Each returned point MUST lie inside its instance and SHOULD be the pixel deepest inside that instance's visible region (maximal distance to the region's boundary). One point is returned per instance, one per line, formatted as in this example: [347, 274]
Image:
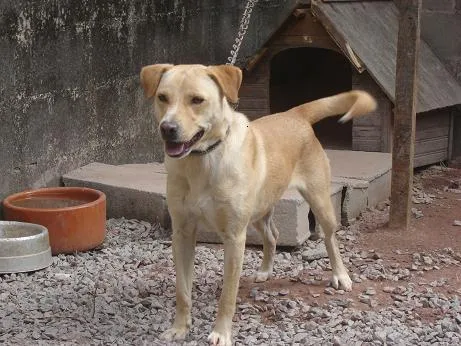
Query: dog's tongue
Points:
[174, 149]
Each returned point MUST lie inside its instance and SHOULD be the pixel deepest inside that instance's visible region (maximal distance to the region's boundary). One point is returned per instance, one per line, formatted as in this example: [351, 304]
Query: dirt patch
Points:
[428, 252]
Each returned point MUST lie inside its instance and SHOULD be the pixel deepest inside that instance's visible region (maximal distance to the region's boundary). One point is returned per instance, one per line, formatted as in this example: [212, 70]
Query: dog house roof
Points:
[367, 34]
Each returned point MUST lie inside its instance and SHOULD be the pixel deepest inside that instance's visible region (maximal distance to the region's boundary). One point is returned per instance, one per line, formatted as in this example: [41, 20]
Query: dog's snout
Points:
[169, 130]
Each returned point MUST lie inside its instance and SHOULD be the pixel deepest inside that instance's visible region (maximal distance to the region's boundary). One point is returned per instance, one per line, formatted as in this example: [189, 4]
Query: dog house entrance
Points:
[300, 75]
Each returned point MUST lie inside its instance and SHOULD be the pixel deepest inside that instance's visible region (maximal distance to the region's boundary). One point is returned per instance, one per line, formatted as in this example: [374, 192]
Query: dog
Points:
[225, 173]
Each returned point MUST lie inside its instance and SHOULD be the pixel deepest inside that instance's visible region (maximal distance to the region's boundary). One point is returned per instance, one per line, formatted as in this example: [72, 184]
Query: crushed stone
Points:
[123, 293]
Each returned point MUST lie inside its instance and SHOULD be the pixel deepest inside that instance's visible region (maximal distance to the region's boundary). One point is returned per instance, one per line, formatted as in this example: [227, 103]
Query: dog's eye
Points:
[162, 98]
[196, 100]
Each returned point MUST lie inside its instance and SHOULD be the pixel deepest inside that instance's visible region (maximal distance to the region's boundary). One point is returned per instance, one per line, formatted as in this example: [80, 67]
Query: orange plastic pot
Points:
[75, 217]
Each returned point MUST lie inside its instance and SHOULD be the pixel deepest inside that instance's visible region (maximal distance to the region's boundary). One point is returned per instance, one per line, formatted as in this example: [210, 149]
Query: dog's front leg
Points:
[183, 254]
[234, 248]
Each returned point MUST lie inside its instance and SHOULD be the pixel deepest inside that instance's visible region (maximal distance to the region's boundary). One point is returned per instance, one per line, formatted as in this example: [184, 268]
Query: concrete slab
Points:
[132, 191]
[360, 180]
[139, 191]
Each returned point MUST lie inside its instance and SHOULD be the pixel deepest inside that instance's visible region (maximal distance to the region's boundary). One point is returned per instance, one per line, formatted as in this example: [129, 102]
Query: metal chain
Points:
[244, 22]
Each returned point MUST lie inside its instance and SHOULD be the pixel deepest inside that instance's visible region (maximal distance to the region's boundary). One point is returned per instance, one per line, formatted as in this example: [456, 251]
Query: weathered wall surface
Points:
[69, 91]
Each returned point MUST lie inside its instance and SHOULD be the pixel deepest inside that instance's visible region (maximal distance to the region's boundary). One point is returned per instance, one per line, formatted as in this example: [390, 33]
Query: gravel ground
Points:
[123, 294]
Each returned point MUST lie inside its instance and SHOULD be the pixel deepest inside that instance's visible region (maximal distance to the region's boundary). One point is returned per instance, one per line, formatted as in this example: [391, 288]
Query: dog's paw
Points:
[220, 339]
[175, 333]
[262, 276]
[342, 281]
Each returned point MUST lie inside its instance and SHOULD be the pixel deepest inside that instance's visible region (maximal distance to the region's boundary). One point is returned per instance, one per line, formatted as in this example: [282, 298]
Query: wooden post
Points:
[405, 113]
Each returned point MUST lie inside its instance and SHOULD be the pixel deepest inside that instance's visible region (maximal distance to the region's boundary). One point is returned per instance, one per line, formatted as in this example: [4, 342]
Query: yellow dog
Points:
[225, 173]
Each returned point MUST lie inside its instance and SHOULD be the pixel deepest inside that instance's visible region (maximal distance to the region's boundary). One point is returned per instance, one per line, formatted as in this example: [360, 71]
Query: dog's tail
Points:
[353, 103]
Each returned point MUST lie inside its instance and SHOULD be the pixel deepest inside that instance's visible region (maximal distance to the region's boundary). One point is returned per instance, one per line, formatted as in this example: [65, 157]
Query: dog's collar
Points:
[210, 148]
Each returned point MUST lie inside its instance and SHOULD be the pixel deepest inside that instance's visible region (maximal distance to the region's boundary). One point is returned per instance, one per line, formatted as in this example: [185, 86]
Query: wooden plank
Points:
[429, 159]
[254, 114]
[431, 145]
[366, 138]
[432, 133]
[450, 135]
[456, 147]
[371, 120]
[305, 41]
[371, 132]
[438, 119]
[386, 136]
[256, 78]
[432, 137]
[366, 145]
[253, 103]
[405, 113]
[253, 90]
[433, 125]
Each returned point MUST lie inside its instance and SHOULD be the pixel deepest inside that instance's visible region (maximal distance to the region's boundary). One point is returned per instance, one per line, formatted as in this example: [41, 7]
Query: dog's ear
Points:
[228, 78]
[150, 77]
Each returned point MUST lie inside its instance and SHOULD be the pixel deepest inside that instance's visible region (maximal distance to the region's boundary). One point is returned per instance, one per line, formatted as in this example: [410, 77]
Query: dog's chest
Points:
[203, 206]
[199, 198]
[211, 194]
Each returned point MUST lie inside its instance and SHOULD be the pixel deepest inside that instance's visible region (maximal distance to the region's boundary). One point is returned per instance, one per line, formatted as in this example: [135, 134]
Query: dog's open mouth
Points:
[178, 149]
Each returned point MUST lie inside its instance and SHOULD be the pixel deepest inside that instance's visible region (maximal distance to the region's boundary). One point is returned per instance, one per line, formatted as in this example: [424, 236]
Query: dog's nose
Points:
[169, 130]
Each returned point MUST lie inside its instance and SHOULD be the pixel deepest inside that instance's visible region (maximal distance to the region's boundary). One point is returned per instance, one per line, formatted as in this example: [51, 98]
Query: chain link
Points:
[244, 22]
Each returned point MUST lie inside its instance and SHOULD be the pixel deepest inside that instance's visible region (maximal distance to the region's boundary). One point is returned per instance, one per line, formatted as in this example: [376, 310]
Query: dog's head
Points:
[189, 103]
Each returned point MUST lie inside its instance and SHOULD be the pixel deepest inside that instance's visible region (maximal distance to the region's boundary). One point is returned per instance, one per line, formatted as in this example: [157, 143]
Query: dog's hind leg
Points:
[315, 229]
[317, 194]
[266, 227]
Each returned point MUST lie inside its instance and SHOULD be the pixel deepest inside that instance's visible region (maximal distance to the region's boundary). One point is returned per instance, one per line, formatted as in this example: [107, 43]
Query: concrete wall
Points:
[69, 90]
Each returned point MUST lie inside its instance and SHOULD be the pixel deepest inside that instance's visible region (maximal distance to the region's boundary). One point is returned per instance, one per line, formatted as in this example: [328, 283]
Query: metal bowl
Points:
[24, 247]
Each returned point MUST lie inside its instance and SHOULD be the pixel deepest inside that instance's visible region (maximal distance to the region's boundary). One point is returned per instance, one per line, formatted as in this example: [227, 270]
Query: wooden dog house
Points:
[329, 48]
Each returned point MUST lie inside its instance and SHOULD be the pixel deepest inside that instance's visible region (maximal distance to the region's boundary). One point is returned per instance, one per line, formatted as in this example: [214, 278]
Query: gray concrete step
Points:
[366, 177]
[139, 191]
